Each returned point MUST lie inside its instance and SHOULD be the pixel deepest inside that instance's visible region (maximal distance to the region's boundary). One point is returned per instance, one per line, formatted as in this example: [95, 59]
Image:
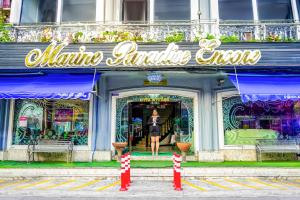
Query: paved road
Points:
[89, 188]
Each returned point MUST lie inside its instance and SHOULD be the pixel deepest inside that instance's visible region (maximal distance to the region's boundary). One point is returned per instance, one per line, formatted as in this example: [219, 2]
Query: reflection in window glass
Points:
[246, 122]
[172, 10]
[78, 10]
[274, 9]
[235, 9]
[51, 119]
[298, 7]
[34, 11]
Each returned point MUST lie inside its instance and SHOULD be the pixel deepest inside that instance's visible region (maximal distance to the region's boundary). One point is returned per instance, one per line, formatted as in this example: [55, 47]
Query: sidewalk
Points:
[152, 173]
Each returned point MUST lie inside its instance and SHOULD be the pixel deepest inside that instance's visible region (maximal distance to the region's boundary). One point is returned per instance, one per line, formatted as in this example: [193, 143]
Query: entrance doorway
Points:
[138, 115]
[131, 110]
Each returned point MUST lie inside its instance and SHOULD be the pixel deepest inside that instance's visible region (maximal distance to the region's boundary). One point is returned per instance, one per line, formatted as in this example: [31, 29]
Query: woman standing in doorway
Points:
[154, 131]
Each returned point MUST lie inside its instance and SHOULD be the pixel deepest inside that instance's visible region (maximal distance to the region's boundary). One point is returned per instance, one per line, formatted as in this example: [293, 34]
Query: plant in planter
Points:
[46, 35]
[77, 37]
[273, 38]
[98, 38]
[119, 146]
[200, 36]
[5, 34]
[289, 40]
[183, 146]
[124, 36]
[110, 36]
[229, 38]
[175, 37]
[137, 37]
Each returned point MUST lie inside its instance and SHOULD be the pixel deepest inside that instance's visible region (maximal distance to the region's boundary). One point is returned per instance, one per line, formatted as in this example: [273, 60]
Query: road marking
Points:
[265, 183]
[194, 186]
[31, 185]
[108, 186]
[57, 185]
[13, 183]
[287, 183]
[242, 184]
[216, 184]
[86, 184]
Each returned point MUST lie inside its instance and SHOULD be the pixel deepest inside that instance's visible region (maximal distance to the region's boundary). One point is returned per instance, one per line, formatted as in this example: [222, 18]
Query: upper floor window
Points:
[172, 10]
[274, 9]
[134, 10]
[78, 10]
[298, 7]
[235, 10]
[34, 11]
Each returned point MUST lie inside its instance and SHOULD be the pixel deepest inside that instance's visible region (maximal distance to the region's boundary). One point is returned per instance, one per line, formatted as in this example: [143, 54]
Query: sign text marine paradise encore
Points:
[127, 54]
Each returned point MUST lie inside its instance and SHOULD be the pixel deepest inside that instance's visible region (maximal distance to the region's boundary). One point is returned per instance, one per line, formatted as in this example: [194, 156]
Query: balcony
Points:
[168, 32]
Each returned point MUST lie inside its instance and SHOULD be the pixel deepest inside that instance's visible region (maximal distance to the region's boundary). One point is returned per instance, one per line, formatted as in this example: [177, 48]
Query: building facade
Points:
[222, 74]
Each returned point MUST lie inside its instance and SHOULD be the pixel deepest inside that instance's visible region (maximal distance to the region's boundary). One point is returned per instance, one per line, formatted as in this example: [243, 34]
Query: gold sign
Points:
[52, 57]
[127, 54]
[222, 57]
[155, 99]
[163, 82]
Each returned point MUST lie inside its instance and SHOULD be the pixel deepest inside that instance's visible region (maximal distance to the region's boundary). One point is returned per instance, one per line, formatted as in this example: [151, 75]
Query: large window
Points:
[235, 9]
[78, 10]
[172, 10]
[51, 119]
[274, 9]
[245, 122]
[34, 11]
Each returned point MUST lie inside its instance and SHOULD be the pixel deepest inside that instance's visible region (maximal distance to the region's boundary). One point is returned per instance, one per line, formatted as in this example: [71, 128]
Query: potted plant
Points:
[119, 146]
[184, 147]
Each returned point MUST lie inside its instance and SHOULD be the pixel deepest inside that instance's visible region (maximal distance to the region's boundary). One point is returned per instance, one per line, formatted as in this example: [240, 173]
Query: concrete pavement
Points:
[94, 188]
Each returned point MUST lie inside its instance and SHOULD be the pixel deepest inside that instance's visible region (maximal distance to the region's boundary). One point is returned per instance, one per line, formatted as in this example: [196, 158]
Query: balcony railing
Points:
[190, 31]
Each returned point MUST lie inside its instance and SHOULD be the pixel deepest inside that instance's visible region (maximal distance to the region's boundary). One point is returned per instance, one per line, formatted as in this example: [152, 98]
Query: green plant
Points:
[210, 36]
[5, 33]
[273, 38]
[46, 35]
[229, 38]
[175, 37]
[289, 40]
[76, 36]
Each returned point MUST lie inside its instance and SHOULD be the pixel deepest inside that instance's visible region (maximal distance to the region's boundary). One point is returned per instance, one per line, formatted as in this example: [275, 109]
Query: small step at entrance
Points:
[161, 156]
[136, 153]
[148, 156]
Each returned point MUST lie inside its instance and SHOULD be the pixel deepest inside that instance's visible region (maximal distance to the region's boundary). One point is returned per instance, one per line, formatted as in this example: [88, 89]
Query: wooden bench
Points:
[276, 146]
[49, 146]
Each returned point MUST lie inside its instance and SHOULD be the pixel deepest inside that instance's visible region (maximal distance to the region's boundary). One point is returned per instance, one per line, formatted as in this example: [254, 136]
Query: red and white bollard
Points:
[125, 172]
[177, 172]
[129, 174]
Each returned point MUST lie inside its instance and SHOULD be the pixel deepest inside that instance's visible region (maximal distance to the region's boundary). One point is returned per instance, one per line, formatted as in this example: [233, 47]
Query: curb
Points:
[151, 172]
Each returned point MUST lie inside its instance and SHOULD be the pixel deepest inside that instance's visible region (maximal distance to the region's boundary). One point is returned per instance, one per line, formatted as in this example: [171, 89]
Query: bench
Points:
[49, 146]
[276, 146]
